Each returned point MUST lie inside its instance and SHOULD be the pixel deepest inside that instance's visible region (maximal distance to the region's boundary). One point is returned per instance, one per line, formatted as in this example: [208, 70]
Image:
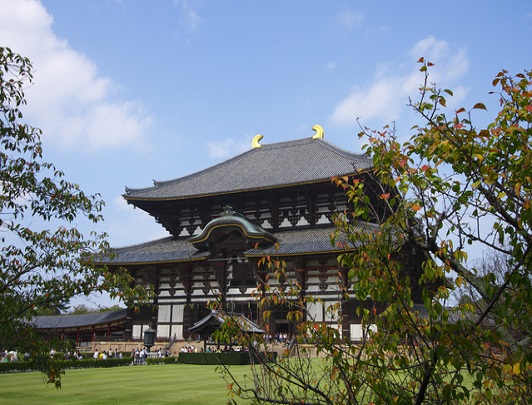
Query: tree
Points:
[449, 187]
[83, 309]
[44, 259]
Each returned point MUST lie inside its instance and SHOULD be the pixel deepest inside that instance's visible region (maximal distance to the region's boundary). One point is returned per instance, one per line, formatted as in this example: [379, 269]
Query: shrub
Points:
[162, 360]
[20, 366]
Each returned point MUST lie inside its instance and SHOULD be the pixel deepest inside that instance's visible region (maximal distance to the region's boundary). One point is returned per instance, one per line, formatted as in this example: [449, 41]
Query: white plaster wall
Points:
[138, 331]
[357, 330]
[329, 316]
[177, 314]
[163, 331]
[315, 311]
[164, 313]
[177, 332]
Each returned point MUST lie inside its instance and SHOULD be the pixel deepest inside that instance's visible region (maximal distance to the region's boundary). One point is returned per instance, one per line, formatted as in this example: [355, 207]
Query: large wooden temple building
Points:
[273, 200]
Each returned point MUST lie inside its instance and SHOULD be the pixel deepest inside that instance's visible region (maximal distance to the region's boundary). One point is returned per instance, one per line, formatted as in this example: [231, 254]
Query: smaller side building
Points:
[83, 330]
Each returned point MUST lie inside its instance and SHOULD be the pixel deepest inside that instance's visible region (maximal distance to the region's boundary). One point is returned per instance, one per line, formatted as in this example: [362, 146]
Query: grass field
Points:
[179, 384]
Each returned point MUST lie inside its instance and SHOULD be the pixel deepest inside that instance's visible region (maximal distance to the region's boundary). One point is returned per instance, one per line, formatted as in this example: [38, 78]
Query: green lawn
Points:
[179, 384]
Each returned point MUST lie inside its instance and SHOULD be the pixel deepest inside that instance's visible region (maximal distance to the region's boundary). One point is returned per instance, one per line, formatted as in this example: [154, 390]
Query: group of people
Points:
[282, 338]
[73, 355]
[188, 349]
[163, 353]
[139, 355]
[12, 356]
[226, 349]
[8, 356]
[105, 355]
[212, 349]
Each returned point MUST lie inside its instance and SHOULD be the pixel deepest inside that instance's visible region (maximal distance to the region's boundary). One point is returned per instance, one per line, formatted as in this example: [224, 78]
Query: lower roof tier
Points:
[298, 242]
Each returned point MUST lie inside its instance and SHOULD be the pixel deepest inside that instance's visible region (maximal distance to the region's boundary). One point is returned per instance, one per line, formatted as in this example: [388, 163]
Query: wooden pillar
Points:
[128, 328]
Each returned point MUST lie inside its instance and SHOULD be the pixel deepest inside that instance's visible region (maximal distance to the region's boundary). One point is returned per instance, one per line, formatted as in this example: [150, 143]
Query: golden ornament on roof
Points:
[256, 139]
[319, 132]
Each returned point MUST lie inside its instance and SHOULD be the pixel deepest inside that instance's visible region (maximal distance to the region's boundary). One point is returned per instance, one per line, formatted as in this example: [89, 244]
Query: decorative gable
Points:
[229, 226]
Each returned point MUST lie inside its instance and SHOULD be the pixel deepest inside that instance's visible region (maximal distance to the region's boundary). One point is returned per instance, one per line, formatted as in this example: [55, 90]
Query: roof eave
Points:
[131, 198]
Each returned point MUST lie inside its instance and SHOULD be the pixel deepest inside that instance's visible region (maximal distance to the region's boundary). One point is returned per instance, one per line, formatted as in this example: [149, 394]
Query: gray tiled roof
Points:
[309, 241]
[298, 242]
[170, 250]
[166, 250]
[75, 321]
[272, 165]
[216, 318]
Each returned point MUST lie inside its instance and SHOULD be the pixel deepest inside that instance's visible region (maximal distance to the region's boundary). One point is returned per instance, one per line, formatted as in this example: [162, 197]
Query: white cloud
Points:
[190, 21]
[112, 124]
[386, 97]
[227, 148]
[124, 225]
[451, 64]
[69, 99]
[378, 29]
[121, 205]
[349, 19]
[331, 66]
[376, 101]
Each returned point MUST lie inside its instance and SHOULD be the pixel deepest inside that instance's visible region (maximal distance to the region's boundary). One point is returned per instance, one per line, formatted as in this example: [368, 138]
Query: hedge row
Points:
[161, 360]
[85, 363]
[229, 358]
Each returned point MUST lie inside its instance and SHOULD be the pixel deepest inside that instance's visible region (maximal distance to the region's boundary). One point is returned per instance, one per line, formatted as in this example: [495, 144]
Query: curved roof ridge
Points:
[143, 244]
[279, 164]
[158, 184]
[242, 155]
[342, 151]
[208, 169]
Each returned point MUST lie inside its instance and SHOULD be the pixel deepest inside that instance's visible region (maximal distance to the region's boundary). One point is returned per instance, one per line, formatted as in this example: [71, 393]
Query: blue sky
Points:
[130, 91]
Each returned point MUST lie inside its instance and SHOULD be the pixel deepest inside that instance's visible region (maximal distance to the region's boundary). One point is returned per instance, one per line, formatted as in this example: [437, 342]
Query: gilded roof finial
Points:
[319, 132]
[256, 139]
